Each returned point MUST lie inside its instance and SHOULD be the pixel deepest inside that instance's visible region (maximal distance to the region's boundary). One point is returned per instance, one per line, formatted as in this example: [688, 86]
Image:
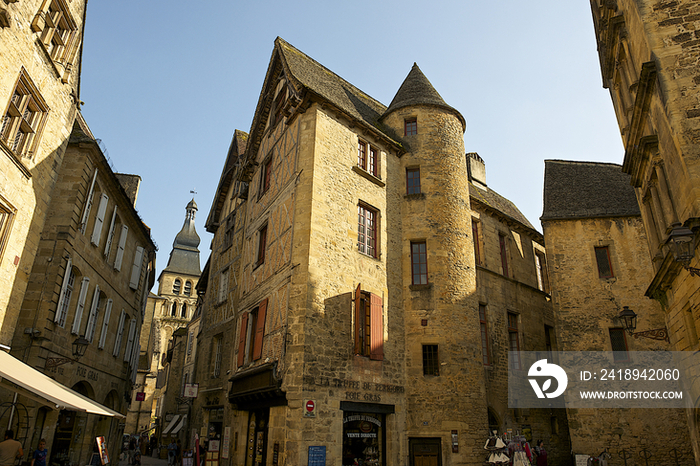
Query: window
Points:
[504, 254]
[476, 238]
[190, 342]
[486, 354]
[419, 263]
[136, 268]
[262, 245]
[369, 325]
[618, 342]
[367, 157]
[7, 214]
[77, 319]
[542, 276]
[92, 316]
[266, 176]
[410, 126]
[66, 293]
[183, 311]
[57, 31]
[602, 257]
[413, 181]
[130, 340]
[173, 310]
[548, 331]
[120, 334]
[110, 233]
[367, 230]
[99, 220]
[120, 248]
[105, 324]
[223, 285]
[431, 363]
[188, 288]
[218, 352]
[176, 286]
[24, 118]
[228, 235]
[251, 335]
[513, 340]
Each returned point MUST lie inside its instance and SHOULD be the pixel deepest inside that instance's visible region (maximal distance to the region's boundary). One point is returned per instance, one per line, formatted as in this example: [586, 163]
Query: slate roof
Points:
[497, 202]
[417, 90]
[586, 190]
[313, 76]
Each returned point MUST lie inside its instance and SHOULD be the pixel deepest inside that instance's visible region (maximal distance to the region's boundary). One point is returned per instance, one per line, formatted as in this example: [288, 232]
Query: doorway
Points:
[425, 451]
[257, 437]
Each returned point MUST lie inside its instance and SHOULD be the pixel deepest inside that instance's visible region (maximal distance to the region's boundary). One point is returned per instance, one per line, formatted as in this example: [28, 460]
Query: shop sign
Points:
[226, 442]
[317, 456]
[102, 448]
[191, 390]
[309, 408]
[140, 396]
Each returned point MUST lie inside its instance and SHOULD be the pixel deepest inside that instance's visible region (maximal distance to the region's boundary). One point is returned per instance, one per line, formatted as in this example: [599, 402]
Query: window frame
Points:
[601, 273]
[62, 47]
[7, 217]
[484, 329]
[177, 286]
[410, 126]
[413, 185]
[368, 157]
[431, 360]
[265, 176]
[503, 246]
[25, 95]
[618, 354]
[514, 337]
[368, 321]
[217, 355]
[262, 245]
[367, 244]
[542, 273]
[419, 263]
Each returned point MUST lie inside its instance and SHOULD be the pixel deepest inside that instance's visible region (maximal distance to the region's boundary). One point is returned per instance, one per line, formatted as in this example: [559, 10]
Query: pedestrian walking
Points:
[10, 449]
[39, 456]
[541, 454]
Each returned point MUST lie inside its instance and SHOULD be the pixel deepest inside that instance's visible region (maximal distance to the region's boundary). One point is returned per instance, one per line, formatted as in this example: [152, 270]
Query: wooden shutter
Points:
[241, 339]
[376, 350]
[260, 329]
[130, 341]
[120, 333]
[136, 268]
[120, 250]
[110, 234]
[92, 317]
[66, 278]
[88, 204]
[358, 318]
[105, 324]
[81, 305]
[99, 220]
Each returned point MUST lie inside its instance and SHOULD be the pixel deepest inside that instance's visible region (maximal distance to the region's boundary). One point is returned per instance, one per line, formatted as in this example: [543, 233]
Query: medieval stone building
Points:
[600, 264]
[169, 310]
[364, 285]
[648, 56]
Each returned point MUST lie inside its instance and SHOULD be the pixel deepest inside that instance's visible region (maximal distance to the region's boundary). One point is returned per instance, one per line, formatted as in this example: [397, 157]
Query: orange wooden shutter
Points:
[241, 339]
[376, 328]
[358, 319]
[260, 330]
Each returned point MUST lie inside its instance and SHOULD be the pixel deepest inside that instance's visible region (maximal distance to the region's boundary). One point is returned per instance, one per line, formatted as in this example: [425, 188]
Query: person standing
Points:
[541, 454]
[39, 456]
[10, 449]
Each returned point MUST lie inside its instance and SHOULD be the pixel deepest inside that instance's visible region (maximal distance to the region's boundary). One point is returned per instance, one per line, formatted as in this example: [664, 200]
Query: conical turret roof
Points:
[184, 258]
[417, 90]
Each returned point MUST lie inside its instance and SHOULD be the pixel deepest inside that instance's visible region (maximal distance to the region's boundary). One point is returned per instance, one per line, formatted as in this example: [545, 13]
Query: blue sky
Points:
[165, 84]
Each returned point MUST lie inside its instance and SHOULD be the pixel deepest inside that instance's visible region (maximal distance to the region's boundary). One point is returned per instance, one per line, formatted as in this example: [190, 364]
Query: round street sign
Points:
[309, 408]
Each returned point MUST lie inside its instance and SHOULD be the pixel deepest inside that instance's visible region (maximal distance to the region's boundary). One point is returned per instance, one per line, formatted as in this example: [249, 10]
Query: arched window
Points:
[188, 288]
[173, 311]
[183, 311]
[176, 286]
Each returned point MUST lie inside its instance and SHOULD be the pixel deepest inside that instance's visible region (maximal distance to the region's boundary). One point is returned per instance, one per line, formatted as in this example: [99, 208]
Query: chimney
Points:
[476, 169]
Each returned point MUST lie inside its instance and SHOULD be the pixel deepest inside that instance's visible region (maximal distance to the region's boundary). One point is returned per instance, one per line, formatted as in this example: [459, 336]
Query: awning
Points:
[172, 423]
[37, 383]
[180, 425]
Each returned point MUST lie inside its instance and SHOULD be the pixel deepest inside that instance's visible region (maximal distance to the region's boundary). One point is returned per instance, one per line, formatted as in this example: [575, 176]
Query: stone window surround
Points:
[363, 244]
[7, 216]
[410, 126]
[60, 48]
[368, 157]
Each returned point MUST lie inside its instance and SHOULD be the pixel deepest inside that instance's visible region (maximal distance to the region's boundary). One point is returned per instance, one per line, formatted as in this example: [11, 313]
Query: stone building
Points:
[172, 308]
[89, 282]
[39, 85]
[345, 288]
[648, 56]
[600, 263]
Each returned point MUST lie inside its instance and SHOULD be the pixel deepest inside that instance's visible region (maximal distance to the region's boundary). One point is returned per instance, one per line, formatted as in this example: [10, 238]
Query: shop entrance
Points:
[425, 451]
[363, 439]
[257, 437]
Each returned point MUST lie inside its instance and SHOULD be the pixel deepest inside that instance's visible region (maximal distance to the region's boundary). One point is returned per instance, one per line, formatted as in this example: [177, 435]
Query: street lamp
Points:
[629, 322]
[79, 347]
[682, 241]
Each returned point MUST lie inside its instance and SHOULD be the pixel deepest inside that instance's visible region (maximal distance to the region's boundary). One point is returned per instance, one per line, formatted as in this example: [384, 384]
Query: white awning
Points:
[180, 425]
[37, 383]
[172, 423]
